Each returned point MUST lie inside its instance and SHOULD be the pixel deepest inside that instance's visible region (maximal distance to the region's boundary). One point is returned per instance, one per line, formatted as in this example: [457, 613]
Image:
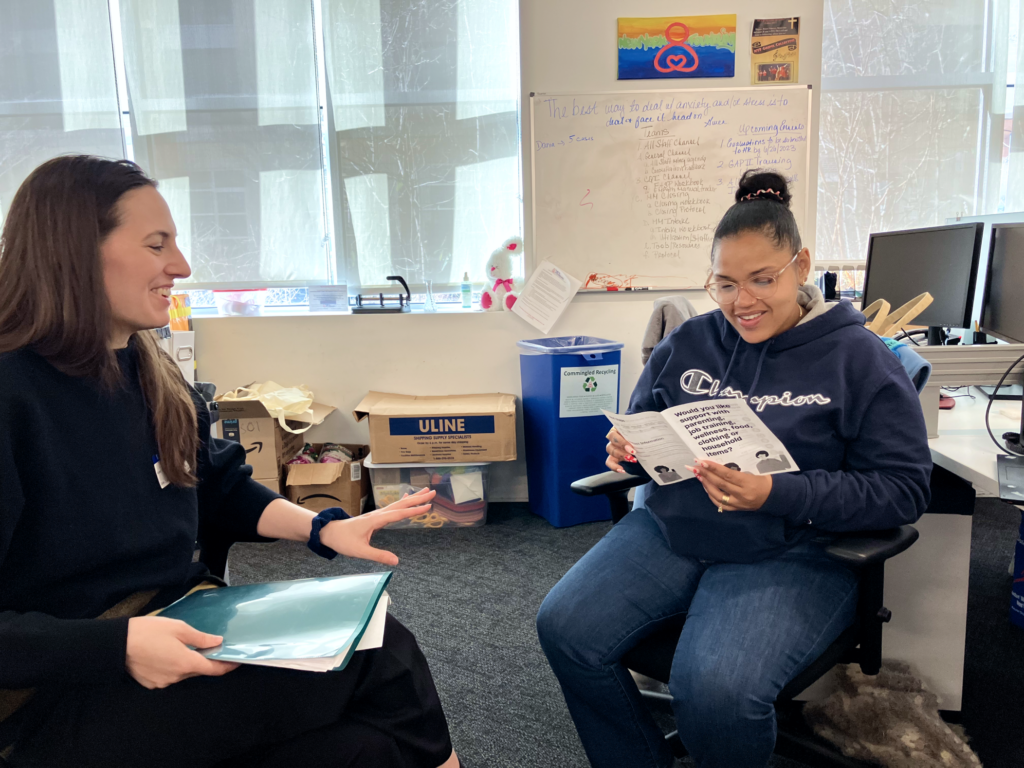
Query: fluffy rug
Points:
[889, 719]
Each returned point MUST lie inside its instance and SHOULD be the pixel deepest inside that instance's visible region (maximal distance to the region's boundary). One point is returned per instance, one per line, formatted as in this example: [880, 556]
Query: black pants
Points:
[381, 711]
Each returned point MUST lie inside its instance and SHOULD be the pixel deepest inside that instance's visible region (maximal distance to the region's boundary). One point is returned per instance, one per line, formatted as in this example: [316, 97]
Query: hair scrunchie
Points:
[764, 194]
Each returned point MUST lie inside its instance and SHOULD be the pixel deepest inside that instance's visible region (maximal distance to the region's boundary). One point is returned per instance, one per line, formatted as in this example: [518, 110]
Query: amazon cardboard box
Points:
[319, 486]
[449, 429]
[267, 445]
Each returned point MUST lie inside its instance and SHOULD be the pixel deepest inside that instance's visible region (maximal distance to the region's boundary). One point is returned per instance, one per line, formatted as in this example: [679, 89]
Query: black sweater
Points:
[84, 522]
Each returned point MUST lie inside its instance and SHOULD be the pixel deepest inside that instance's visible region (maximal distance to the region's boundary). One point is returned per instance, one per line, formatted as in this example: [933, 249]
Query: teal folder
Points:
[313, 624]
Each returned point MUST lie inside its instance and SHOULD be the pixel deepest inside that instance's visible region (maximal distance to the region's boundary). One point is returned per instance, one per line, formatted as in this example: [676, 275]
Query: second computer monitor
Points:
[940, 260]
[1002, 314]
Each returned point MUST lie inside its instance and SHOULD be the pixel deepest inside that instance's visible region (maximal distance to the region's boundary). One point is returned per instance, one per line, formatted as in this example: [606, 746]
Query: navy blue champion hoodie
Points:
[836, 397]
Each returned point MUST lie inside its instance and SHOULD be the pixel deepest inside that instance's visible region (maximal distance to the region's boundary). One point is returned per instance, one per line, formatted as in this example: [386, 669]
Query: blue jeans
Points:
[750, 628]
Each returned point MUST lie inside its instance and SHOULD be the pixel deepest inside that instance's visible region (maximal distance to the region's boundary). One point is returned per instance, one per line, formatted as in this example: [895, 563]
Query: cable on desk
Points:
[909, 335]
[988, 409]
[949, 390]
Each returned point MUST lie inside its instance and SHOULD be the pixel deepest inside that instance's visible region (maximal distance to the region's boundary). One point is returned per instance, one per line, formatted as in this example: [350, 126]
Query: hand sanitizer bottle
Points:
[467, 292]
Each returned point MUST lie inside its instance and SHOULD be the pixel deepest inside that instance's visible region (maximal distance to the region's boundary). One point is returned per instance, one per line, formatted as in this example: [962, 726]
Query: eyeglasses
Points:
[760, 287]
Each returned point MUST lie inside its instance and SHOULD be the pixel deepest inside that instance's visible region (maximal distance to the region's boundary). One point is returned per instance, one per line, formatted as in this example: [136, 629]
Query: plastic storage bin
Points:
[245, 302]
[567, 382]
[461, 500]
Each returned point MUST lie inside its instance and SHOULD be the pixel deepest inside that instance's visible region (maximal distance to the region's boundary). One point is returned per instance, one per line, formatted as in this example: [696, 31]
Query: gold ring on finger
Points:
[725, 498]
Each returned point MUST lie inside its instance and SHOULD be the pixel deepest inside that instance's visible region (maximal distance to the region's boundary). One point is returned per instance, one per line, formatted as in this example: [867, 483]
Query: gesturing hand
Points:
[731, 490]
[158, 654]
[352, 537]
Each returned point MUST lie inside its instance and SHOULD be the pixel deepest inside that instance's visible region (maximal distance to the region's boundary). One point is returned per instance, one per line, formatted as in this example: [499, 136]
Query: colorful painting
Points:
[677, 46]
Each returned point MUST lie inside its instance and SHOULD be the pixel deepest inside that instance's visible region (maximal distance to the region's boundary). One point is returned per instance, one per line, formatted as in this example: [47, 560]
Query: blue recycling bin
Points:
[567, 382]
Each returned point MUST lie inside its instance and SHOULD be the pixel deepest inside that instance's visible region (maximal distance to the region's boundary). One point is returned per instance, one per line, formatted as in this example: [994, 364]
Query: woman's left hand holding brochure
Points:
[351, 537]
[731, 490]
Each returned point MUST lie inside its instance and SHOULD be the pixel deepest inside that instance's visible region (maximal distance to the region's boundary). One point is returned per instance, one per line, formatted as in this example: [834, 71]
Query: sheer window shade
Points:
[415, 136]
[354, 53]
[88, 91]
[425, 135]
[151, 31]
[1014, 200]
[909, 130]
[224, 110]
[57, 93]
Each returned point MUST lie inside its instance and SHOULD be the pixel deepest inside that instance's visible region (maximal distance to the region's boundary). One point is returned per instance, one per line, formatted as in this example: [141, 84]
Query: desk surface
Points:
[964, 447]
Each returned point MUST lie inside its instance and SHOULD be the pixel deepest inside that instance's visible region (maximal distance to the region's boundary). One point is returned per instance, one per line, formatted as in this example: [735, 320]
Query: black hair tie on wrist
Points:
[329, 515]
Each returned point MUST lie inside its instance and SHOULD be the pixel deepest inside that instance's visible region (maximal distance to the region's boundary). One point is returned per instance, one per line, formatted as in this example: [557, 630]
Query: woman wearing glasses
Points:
[740, 554]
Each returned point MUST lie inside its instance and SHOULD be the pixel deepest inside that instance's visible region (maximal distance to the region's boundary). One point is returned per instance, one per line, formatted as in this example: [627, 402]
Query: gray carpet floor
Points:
[471, 596]
[994, 663]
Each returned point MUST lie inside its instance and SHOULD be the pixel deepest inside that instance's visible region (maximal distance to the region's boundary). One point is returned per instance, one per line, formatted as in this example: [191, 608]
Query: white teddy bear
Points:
[500, 295]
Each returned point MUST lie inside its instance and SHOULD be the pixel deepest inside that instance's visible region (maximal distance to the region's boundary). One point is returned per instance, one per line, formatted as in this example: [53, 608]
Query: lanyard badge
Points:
[160, 476]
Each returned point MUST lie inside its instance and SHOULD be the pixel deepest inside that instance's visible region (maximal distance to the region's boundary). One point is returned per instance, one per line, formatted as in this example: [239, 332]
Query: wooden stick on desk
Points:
[880, 309]
[904, 314]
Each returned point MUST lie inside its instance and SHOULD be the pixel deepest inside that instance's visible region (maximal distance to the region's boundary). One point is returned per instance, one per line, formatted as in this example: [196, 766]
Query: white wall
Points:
[341, 357]
[567, 45]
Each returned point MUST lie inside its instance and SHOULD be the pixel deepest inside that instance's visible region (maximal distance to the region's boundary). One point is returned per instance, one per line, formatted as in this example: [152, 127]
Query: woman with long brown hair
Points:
[108, 474]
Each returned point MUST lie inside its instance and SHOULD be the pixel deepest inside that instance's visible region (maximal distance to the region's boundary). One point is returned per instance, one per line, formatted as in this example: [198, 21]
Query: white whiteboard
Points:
[628, 187]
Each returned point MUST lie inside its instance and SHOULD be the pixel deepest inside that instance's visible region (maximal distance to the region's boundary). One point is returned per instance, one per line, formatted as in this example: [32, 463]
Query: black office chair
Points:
[211, 545]
[865, 552]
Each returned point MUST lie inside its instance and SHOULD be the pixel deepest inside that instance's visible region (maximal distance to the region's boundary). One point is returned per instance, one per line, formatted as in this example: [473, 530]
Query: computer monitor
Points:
[940, 260]
[1002, 310]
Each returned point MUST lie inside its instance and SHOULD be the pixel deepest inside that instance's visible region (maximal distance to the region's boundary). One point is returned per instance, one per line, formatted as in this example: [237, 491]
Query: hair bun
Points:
[763, 185]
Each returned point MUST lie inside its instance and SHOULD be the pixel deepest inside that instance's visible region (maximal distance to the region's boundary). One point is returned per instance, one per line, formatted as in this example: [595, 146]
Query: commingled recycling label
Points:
[588, 391]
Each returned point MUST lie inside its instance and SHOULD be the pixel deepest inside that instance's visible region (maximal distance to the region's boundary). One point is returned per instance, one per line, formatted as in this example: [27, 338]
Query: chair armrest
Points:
[607, 482]
[867, 547]
[207, 389]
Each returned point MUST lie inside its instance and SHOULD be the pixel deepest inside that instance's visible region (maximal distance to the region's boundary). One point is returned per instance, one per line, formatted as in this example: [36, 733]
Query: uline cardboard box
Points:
[439, 430]
[267, 446]
[319, 486]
